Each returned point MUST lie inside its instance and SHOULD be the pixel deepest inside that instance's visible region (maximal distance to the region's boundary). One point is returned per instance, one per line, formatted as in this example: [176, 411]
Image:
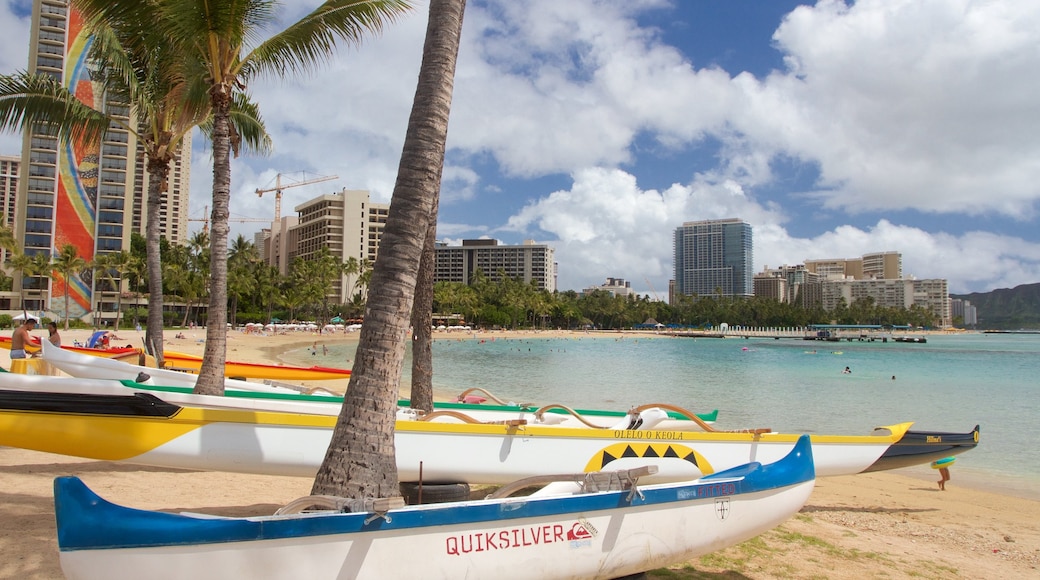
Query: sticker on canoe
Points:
[648, 451]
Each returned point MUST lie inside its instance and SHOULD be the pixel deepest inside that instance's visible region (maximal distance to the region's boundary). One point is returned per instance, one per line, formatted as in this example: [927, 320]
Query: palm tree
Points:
[168, 97]
[350, 468]
[8, 243]
[216, 34]
[22, 264]
[68, 263]
[243, 259]
[112, 267]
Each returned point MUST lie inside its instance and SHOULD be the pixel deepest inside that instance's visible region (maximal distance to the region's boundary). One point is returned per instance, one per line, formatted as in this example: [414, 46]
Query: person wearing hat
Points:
[21, 337]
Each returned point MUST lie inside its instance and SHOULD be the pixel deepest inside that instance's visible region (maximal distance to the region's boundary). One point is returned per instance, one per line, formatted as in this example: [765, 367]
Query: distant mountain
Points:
[1007, 308]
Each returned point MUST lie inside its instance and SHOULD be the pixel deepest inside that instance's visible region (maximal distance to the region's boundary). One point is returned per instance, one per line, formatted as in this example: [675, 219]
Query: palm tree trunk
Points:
[422, 320]
[361, 459]
[153, 336]
[211, 375]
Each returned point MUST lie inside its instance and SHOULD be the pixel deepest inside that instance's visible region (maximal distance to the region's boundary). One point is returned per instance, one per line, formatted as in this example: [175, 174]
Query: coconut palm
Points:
[112, 267]
[168, 97]
[23, 265]
[218, 35]
[350, 468]
[68, 263]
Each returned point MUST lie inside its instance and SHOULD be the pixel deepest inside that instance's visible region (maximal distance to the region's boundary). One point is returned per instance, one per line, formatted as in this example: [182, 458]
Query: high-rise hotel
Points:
[88, 194]
[714, 257]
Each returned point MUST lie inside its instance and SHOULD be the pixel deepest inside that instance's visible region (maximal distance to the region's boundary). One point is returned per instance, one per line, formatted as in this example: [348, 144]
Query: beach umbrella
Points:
[336, 320]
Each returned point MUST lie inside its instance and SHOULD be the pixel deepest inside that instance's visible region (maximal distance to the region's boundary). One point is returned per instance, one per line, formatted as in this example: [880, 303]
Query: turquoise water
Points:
[951, 383]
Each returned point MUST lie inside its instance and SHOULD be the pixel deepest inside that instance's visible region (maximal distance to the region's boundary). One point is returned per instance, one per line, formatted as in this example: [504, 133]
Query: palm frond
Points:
[313, 39]
[28, 100]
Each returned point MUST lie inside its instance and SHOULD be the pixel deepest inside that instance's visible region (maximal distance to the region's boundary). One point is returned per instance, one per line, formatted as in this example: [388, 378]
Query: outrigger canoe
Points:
[34, 347]
[99, 367]
[142, 428]
[188, 362]
[172, 381]
[624, 529]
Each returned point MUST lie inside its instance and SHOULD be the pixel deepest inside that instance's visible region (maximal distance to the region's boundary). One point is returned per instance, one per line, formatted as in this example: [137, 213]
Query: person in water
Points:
[847, 371]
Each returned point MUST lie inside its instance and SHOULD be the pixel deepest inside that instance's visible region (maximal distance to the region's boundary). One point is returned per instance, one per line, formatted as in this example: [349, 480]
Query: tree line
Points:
[510, 303]
[258, 293]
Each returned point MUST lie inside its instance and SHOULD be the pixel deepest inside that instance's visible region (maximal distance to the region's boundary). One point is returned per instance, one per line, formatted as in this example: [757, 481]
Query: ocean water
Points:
[950, 383]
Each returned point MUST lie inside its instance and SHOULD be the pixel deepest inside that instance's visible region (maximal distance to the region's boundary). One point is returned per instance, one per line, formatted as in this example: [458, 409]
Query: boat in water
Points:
[613, 527]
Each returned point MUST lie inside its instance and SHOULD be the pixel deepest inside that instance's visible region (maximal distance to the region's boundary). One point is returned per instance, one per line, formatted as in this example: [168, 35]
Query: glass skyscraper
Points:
[714, 257]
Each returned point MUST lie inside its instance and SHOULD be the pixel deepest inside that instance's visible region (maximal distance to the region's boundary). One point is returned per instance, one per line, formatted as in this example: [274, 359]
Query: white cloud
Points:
[921, 104]
[606, 226]
[14, 56]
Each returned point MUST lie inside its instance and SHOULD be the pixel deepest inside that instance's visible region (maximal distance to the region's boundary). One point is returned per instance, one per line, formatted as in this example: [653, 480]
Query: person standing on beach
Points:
[944, 472]
[53, 336]
[21, 337]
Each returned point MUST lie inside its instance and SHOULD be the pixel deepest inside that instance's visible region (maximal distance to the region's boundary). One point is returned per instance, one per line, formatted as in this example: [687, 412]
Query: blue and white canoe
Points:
[602, 534]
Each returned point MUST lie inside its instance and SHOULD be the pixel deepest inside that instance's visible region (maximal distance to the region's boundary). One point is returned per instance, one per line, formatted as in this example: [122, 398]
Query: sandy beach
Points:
[880, 525]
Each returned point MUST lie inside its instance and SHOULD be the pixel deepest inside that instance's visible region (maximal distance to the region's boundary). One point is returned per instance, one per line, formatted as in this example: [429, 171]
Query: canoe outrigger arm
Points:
[378, 506]
[625, 479]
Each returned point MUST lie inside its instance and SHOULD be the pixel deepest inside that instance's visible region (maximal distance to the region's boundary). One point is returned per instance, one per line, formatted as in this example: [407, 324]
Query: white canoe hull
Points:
[206, 436]
[92, 367]
[597, 535]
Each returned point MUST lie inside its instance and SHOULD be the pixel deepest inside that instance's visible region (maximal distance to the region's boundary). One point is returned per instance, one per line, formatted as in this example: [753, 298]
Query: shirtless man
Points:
[21, 337]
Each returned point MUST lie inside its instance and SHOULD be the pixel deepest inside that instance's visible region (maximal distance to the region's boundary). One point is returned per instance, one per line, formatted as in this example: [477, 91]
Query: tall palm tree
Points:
[218, 35]
[68, 262]
[112, 267]
[167, 94]
[23, 265]
[350, 468]
[243, 259]
[8, 243]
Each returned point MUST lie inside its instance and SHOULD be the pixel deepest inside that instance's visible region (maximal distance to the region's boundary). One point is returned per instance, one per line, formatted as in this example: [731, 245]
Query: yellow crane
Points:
[278, 187]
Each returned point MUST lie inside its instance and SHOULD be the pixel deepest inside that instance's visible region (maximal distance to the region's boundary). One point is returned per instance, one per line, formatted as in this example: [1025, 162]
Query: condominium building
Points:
[965, 310]
[792, 284]
[527, 262]
[348, 223]
[714, 257]
[616, 286]
[879, 265]
[87, 194]
[931, 295]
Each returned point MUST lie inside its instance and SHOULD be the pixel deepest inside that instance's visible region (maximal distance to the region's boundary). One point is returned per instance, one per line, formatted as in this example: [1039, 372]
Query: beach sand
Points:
[877, 525]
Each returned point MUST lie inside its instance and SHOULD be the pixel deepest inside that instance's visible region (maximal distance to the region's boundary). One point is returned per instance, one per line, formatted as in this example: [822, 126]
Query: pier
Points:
[820, 332]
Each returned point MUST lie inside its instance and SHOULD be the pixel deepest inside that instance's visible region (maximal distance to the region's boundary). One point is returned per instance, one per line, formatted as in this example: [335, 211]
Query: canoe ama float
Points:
[602, 534]
[143, 429]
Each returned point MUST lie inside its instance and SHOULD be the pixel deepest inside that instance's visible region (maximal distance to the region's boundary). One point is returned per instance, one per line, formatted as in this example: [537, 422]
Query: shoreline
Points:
[894, 524]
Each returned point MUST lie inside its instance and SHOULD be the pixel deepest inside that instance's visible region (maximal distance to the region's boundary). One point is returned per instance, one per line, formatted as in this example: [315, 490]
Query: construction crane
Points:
[205, 220]
[656, 297]
[278, 187]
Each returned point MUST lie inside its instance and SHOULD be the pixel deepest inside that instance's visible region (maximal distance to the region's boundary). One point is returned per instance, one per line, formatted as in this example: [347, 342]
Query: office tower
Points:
[87, 194]
[714, 257]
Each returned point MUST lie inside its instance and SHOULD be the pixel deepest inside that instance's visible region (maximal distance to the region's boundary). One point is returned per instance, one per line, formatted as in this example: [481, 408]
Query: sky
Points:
[598, 127]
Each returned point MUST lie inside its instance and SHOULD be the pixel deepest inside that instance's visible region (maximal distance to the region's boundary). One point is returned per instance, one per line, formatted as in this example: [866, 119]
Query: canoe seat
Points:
[622, 480]
[377, 505]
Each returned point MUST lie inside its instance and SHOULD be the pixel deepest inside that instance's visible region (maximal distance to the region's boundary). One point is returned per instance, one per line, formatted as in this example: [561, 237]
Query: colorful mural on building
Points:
[78, 180]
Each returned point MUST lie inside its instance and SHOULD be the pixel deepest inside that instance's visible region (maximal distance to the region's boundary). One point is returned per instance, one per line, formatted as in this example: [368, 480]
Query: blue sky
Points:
[836, 129]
